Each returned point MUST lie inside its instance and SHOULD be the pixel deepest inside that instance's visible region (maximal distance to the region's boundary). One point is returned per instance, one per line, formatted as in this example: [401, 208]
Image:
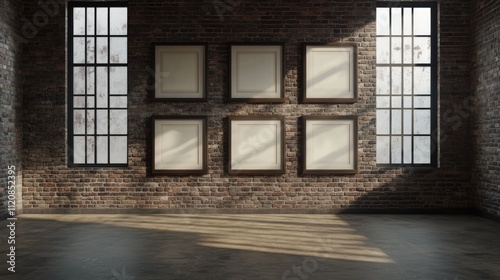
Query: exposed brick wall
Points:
[486, 84]
[10, 98]
[455, 106]
[49, 183]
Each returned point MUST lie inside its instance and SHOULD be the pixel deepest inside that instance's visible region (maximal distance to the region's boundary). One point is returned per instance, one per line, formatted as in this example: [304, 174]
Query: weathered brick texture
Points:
[10, 97]
[486, 86]
[49, 183]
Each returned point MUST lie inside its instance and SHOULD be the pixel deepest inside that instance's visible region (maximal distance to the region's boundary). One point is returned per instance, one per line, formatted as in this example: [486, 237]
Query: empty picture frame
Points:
[180, 72]
[330, 145]
[179, 145]
[256, 73]
[256, 145]
[330, 73]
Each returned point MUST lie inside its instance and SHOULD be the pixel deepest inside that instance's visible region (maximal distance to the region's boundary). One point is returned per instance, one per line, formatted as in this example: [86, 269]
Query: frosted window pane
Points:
[422, 80]
[407, 102]
[396, 46]
[407, 80]
[102, 149]
[407, 121]
[79, 121]
[407, 147]
[90, 21]
[422, 102]
[383, 102]
[396, 122]
[90, 81]
[118, 21]
[118, 149]
[102, 87]
[79, 101]
[102, 122]
[396, 23]
[118, 121]
[102, 100]
[383, 121]
[118, 102]
[422, 21]
[422, 121]
[118, 80]
[79, 21]
[407, 50]
[79, 80]
[383, 21]
[383, 80]
[102, 21]
[396, 80]
[407, 17]
[79, 149]
[422, 49]
[118, 50]
[396, 102]
[90, 50]
[396, 149]
[422, 149]
[90, 149]
[102, 50]
[383, 149]
[383, 50]
[90, 121]
[90, 101]
[79, 50]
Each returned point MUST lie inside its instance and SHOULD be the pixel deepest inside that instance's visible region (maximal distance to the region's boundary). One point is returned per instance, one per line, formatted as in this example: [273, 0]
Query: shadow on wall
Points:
[409, 190]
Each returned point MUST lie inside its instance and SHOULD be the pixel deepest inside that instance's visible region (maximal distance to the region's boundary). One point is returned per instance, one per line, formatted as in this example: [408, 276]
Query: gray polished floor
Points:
[227, 247]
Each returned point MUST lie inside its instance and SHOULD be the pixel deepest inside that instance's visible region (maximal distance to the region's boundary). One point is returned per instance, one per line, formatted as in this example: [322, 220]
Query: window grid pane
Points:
[97, 48]
[406, 84]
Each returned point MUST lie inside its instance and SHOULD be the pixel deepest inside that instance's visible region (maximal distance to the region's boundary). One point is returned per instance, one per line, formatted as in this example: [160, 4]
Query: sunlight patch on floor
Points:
[322, 236]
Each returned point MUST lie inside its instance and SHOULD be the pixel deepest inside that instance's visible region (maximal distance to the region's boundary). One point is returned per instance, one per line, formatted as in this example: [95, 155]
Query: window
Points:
[97, 84]
[406, 83]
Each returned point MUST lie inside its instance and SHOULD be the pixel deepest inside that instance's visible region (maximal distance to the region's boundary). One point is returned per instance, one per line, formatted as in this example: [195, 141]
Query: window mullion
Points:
[402, 88]
[86, 85]
[390, 85]
[412, 89]
[95, 86]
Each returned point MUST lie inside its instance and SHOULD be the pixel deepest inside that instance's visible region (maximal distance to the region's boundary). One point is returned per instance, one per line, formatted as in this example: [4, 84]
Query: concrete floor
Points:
[227, 247]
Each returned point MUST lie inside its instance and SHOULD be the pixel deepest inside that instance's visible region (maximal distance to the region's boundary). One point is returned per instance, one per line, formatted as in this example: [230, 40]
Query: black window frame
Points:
[434, 94]
[70, 86]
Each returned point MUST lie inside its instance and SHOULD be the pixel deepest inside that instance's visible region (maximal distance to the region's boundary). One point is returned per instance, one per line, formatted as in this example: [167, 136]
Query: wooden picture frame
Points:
[179, 145]
[330, 73]
[256, 145]
[329, 145]
[256, 73]
[180, 72]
